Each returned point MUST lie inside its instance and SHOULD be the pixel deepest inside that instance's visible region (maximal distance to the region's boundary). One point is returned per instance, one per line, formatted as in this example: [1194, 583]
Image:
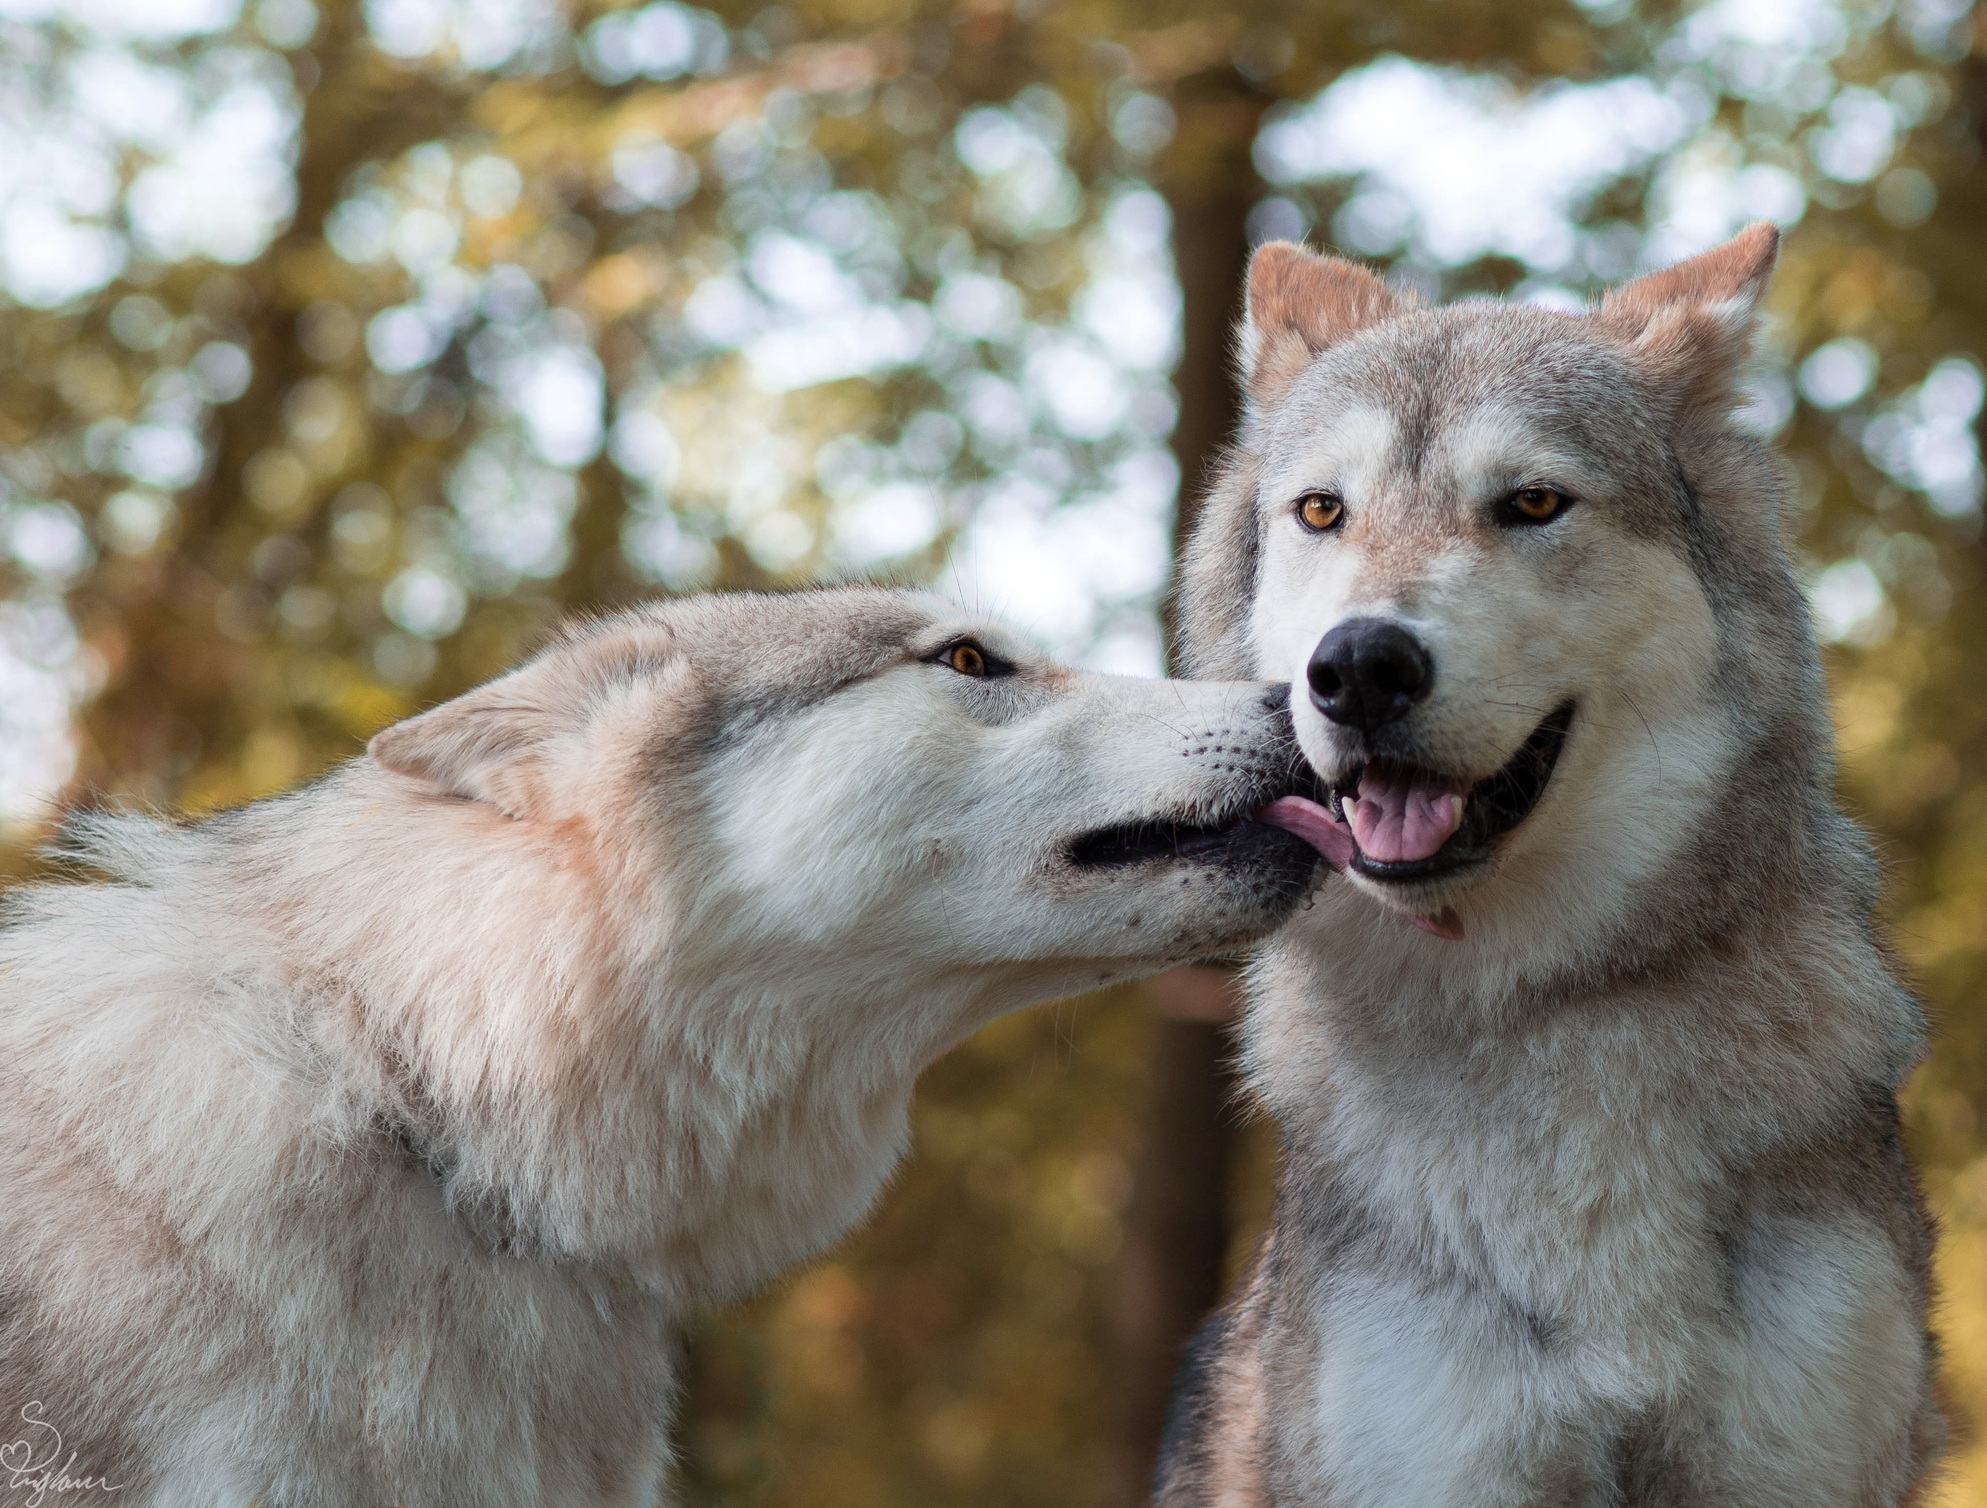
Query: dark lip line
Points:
[1177, 836]
[1145, 842]
[1490, 813]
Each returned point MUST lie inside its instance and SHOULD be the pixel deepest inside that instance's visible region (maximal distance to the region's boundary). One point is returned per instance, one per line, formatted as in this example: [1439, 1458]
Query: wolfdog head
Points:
[869, 791]
[1524, 574]
[805, 843]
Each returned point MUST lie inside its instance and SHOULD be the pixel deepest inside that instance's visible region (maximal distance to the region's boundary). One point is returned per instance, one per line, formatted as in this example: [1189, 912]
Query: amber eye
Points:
[1320, 511]
[966, 659]
[1536, 505]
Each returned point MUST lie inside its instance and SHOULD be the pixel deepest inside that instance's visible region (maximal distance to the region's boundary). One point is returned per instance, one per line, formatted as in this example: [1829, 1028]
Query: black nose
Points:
[1368, 672]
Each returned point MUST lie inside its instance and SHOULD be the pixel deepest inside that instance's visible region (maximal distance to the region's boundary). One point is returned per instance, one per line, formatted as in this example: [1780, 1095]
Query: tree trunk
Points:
[1211, 255]
[1176, 1226]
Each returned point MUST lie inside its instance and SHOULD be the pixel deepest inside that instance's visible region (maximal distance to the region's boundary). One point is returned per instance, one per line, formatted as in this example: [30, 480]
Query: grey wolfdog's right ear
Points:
[486, 744]
[1688, 326]
[1297, 304]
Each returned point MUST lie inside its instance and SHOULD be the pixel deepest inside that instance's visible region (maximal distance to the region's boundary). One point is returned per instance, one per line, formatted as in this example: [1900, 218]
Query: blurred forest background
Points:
[348, 345]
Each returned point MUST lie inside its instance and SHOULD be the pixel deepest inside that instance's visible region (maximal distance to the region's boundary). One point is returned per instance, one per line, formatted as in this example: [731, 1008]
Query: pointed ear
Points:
[1688, 326]
[1297, 304]
[476, 746]
[491, 744]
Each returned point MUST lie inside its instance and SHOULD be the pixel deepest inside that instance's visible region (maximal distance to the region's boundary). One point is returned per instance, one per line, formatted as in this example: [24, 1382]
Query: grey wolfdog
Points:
[363, 1146]
[1592, 1192]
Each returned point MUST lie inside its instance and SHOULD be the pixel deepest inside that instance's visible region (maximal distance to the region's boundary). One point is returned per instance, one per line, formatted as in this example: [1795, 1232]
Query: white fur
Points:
[653, 1004]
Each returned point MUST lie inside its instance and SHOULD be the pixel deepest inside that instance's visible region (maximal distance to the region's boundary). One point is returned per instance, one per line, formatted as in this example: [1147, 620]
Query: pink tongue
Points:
[1402, 815]
[1317, 826]
[1313, 823]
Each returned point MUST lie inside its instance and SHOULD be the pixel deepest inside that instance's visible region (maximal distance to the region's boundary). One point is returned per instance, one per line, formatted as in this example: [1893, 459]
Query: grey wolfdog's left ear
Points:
[1688, 326]
[1297, 304]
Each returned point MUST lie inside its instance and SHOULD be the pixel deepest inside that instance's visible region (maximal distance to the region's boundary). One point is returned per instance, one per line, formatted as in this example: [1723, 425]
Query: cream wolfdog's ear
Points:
[486, 745]
[1298, 303]
[472, 747]
[1688, 326]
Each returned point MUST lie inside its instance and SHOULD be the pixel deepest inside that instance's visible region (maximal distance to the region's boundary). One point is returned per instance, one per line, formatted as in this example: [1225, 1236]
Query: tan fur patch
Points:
[1298, 304]
[1687, 326]
[1737, 269]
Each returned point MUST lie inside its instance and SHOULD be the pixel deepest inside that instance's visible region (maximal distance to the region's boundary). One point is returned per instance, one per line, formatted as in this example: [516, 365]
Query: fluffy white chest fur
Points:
[1527, 1240]
[258, 1205]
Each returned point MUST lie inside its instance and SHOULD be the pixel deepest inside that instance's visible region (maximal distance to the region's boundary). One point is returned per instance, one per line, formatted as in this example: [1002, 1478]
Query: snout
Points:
[1234, 752]
[1369, 672]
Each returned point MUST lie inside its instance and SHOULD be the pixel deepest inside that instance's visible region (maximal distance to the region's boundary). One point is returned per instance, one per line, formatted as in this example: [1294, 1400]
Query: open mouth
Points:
[1411, 824]
[1402, 823]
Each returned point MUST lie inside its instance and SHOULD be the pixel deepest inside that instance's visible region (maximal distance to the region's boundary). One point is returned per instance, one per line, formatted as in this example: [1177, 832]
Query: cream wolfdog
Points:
[361, 1146]
[1592, 1192]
